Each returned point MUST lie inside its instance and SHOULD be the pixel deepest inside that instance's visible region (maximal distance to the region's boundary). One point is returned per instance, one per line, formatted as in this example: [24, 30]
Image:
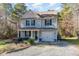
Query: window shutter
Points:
[29, 33]
[26, 22]
[45, 22]
[19, 33]
[50, 21]
[33, 22]
[25, 33]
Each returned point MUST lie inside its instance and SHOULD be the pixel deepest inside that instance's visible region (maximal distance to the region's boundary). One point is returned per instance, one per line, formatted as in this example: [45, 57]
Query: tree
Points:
[7, 8]
[10, 17]
[65, 21]
[5, 25]
[19, 10]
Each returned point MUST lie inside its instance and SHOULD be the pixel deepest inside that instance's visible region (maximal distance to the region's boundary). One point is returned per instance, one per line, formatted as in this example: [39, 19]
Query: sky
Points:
[44, 6]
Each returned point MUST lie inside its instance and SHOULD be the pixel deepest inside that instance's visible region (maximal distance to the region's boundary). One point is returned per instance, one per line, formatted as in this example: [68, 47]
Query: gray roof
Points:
[49, 12]
[30, 14]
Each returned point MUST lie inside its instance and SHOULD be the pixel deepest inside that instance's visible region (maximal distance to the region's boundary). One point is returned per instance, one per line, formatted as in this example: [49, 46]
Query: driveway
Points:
[58, 49]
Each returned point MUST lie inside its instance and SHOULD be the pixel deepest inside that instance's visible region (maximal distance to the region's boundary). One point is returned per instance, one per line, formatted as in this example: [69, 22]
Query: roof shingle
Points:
[31, 14]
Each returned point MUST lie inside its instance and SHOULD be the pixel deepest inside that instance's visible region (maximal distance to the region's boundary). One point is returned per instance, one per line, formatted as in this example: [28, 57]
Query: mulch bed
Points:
[14, 47]
[18, 49]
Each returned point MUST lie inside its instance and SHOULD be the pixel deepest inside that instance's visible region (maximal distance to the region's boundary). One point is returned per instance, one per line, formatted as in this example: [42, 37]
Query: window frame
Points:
[33, 22]
[27, 33]
[48, 22]
[30, 22]
[27, 22]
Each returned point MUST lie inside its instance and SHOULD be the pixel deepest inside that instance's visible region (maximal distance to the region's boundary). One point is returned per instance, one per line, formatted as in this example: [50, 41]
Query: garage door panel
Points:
[48, 36]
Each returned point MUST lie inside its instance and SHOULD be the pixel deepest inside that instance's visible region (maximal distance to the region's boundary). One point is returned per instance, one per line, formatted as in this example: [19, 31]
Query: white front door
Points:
[48, 36]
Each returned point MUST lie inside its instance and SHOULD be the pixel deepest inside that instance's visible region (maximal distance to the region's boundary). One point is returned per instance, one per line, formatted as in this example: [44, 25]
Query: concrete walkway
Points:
[60, 49]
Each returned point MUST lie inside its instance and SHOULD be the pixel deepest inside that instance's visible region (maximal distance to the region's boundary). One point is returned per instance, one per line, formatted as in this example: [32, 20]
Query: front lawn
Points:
[72, 41]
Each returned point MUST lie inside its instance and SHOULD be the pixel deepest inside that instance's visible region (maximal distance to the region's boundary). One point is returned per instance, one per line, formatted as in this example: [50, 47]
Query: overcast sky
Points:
[44, 6]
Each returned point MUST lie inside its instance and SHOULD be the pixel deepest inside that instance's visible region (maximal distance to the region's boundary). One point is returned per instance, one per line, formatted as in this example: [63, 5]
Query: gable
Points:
[30, 14]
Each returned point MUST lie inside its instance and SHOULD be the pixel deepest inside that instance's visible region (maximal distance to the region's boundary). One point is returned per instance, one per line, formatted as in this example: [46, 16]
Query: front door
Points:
[36, 35]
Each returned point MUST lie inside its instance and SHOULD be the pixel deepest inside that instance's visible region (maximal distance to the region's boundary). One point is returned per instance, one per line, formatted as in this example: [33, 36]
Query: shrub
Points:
[2, 42]
[31, 41]
[25, 41]
[25, 38]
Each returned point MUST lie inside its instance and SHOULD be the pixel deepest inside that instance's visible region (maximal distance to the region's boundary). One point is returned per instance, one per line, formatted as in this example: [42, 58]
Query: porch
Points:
[34, 34]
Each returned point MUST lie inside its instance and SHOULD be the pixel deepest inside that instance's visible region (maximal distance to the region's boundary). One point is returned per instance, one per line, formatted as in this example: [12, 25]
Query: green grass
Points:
[2, 42]
[2, 46]
[72, 38]
[73, 41]
[25, 41]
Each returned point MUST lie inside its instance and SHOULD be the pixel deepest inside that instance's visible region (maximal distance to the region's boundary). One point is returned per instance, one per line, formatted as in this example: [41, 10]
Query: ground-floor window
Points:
[27, 33]
[19, 34]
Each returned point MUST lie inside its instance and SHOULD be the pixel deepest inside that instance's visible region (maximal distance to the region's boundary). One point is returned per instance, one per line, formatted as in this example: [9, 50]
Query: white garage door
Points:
[48, 36]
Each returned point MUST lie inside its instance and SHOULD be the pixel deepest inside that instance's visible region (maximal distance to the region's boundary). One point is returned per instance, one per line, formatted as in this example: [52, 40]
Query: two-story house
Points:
[39, 25]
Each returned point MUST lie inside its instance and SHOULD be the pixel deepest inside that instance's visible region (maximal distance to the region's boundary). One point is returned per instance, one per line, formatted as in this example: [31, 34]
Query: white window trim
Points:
[49, 23]
[30, 23]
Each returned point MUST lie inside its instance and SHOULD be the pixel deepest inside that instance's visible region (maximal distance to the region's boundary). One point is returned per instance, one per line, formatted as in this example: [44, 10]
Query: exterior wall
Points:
[40, 23]
[54, 23]
[22, 23]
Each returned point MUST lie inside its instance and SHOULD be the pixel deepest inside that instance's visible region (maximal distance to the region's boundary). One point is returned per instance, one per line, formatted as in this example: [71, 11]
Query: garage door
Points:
[48, 36]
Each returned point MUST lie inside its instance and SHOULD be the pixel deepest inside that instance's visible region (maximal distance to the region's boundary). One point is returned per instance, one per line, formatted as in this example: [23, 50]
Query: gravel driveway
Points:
[60, 49]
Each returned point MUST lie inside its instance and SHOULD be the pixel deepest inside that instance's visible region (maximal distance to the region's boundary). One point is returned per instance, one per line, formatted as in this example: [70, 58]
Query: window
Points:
[19, 33]
[27, 23]
[48, 22]
[27, 33]
[32, 22]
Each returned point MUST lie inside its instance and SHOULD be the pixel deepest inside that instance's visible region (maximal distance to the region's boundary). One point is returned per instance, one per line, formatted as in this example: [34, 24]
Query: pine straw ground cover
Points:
[11, 47]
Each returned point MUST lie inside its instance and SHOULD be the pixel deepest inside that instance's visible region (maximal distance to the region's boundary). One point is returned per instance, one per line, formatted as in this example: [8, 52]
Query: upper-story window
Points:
[48, 22]
[27, 23]
[32, 22]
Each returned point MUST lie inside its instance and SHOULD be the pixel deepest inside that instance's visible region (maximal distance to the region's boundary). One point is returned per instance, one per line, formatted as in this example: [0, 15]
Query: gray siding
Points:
[40, 23]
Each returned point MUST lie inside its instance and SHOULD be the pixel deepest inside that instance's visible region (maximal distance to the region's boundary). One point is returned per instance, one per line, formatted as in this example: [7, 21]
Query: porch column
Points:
[31, 34]
[18, 33]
